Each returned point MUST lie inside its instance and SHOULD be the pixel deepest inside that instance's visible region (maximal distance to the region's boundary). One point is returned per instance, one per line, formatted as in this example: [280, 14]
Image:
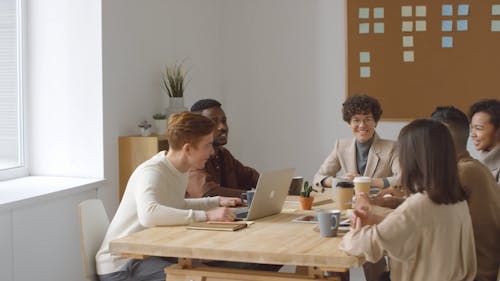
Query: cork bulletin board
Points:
[415, 55]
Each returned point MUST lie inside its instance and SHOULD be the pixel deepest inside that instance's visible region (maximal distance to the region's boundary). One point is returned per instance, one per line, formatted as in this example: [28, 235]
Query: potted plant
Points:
[173, 84]
[160, 120]
[305, 196]
[145, 128]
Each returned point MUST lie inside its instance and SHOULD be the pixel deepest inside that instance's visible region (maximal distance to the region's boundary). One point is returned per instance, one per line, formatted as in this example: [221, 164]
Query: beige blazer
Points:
[382, 161]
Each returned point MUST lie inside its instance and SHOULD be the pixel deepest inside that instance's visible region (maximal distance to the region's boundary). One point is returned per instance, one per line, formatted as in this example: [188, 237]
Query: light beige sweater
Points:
[154, 197]
[423, 240]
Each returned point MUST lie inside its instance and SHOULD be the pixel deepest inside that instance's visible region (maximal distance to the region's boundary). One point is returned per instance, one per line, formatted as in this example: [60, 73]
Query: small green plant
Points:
[173, 80]
[159, 116]
[144, 124]
[307, 189]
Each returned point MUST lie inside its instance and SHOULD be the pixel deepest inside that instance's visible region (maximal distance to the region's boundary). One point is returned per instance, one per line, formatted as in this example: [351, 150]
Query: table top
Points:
[274, 240]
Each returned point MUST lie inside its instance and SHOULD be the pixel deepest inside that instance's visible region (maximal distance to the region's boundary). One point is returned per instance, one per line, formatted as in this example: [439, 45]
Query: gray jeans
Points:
[150, 269]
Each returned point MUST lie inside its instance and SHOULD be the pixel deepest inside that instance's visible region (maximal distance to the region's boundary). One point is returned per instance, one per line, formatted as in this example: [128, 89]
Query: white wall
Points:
[139, 38]
[64, 88]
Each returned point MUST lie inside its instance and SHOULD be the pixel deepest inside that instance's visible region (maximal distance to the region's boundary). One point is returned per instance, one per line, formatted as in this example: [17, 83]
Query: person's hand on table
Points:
[230, 201]
[220, 214]
[350, 176]
[389, 198]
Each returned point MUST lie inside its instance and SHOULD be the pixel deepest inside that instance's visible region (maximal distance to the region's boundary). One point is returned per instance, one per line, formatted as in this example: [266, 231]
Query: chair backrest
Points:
[94, 223]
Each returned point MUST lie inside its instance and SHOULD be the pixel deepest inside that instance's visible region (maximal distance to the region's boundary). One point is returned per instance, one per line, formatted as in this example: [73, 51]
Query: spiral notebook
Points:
[219, 226]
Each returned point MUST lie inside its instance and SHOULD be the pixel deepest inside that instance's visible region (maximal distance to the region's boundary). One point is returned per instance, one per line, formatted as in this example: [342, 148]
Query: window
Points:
[12, 152]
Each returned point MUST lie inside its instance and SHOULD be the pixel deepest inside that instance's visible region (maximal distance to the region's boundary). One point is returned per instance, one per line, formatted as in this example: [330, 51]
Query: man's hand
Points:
[220, 214]
[230, 202]
[350, 176]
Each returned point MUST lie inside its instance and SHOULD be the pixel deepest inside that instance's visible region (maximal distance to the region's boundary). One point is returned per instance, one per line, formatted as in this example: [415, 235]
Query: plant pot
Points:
[176, 105]
[161, 126]
[306, 202]
[145, 132]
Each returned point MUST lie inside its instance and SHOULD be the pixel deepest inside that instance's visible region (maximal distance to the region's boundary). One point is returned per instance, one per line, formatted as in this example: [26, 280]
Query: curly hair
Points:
[361, 104]
[490, 107]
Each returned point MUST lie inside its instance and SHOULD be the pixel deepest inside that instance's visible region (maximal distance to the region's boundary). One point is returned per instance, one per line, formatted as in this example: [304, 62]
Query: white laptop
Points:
[270, 195]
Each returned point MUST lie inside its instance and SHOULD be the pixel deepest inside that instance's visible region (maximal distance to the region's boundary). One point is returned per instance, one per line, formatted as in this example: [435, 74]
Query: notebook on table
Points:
[270, 194]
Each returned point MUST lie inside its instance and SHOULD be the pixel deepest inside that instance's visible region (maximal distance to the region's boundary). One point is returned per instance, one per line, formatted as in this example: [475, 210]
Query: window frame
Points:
[21, 170]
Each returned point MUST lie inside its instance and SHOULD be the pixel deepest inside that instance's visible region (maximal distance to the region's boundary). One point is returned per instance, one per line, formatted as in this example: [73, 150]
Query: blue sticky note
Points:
[447, 42]
[446, 25]
[447, 10]
[463, 9]
[462, 25]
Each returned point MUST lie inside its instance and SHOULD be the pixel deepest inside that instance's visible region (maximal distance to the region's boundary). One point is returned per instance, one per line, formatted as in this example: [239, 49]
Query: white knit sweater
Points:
[154, 197]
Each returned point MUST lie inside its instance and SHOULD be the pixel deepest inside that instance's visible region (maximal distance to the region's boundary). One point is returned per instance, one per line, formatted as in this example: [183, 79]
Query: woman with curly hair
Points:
[485, 133]
[366, 153]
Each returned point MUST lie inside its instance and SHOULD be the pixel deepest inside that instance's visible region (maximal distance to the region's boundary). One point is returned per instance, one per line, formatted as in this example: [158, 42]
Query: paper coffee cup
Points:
[362, 184]
[343, 195]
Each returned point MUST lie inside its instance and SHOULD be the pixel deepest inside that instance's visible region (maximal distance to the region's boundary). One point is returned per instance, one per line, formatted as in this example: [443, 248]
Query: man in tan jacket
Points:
[484, 199]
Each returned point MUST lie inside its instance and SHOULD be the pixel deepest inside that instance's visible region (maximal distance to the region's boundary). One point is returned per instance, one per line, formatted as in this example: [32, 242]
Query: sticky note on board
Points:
[407, 26]
[447, 10]
[463, 10]
[364, 57]
[406, 11]
[364, 13]
[407, 41]
[421, 11]
[462, 25]
[495, 25]
[495, 10]
[364, 28]
[378, 27]
[446, 25]
[364, 72]
[447, 42]
[378, 13]
[408, 56]
[420, 25]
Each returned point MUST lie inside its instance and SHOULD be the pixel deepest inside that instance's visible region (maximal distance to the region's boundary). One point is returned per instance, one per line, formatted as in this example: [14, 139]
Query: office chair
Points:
[94, 223]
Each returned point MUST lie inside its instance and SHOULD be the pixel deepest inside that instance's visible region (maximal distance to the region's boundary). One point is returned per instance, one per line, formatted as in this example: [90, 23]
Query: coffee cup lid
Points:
[345, 184]
[361, 179]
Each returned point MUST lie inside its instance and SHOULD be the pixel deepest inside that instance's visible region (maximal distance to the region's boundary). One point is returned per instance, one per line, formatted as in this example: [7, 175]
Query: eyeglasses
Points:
[367, 122]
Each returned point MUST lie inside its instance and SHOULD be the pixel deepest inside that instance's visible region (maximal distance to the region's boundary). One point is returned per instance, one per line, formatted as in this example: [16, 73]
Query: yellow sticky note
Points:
[420, 25]
[421, 11]
[364, 13]
[407, 41]
[364, 57]
[407, 26]
[364, 72]
[408, 56]
[378, 13]
[406, 11]
[378, 27]
[364, 28]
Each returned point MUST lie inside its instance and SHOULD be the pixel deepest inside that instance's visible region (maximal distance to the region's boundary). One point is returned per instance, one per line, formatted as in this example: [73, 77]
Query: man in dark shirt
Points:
[223, 175]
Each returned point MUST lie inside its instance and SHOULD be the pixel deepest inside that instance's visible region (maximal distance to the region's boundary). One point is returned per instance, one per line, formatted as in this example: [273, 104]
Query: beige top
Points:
[154, 197]
[492, 160]
[382, 161]
[484, 205]
[423, 240]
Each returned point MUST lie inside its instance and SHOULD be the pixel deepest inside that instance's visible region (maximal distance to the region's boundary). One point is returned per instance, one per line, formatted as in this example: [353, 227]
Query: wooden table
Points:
[271, 240]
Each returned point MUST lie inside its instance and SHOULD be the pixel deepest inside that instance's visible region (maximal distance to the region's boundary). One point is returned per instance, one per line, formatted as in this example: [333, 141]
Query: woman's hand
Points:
[230, 201]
